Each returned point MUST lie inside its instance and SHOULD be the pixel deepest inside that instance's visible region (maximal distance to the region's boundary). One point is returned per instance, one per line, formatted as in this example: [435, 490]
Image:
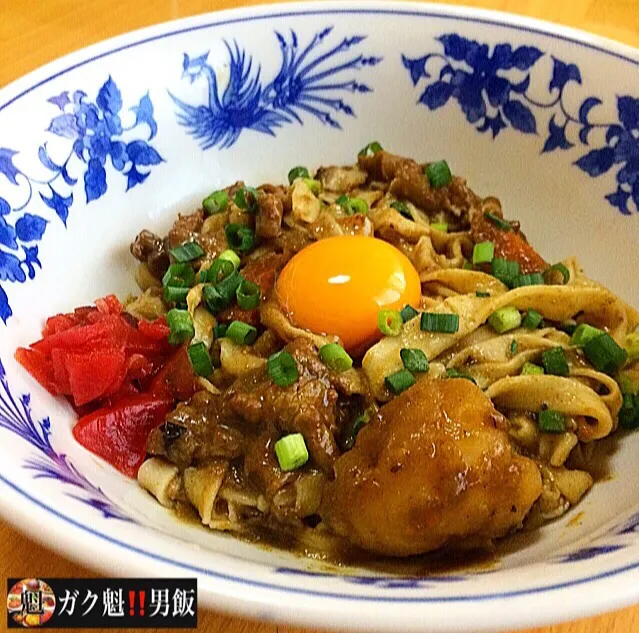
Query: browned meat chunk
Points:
[268, 220]
[261, 466]
[435, 468]
[186, 227]
[341, 179]
[151, 250]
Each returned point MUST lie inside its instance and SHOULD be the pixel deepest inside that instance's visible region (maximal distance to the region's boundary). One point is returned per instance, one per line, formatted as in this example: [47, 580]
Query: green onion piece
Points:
[530, 369]
[455, 373]
[500, 223]
[628, 383]
[335, 357]
[513, 347]
[370, 149]
[505, 319]
[532, 320]
[506, 271]
[173, 294]
[297, 172]
[438, 174]
[187, 252]
[604, 354]
[549, 275]
[533, 279]
[435, 322]
[230, 256]
[399, 381]
[467, 266]
[314, 185]
[219, 331]
[350, 206]
[213, 299]
[440, 226]
[482, 294]
[358, 423]
[414, 360]
[241, 333]
[227, 288]
[240, 238]
[291, 452]
[200, 359]
[219, 270]
[584, 333]
[629, 412]
[179, 276]
[631, 346]
[408, 313]
[248, 295]
[181, 325]
[483, 253]
[216, 202]
[246, 198]
[282, 368]
[550, 421]
[568, 326]
[554, 362]
[402, 207]
[389, 322]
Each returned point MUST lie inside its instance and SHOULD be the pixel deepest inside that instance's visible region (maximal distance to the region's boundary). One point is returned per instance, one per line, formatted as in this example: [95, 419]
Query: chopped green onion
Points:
[530, 369]
[402, 207]
[629, 412]
[219, 331]
[505, 319]
[628, 383]
[297, 172]
[631, 346]
[389, 322]
[500, 223]
[213, 299]
[554, 362]
[438, 174]
[440, 226]
[513, 347]
[532, 320]
[436, 322]
[248, 295]
[568, 326]
[241, 333]
[181, 326]
[584, 333]
[219, 270]
[455, 373]
[358, 423]
[230, 256]
[246, 198]
[200, 359]
[187, 252]
[483, 253]
[482, 294]
[549, 275]
[533, 279]
[604, 354]
[282, 368]
[550, 421]
[216, 202]
[315, 186]
[467, 266]
[350, 206]
[179, 276]
[408, 313]
[227, 288]
[291, 452]
[414, 360]
[240, 238]
[399, 381]
[174, 294]
[370, 149]
[506, 271]
[335, 357]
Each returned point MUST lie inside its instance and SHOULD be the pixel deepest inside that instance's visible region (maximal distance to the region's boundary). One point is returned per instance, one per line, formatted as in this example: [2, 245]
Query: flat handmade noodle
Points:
[464, 282]
[567, 395]
[557, 303]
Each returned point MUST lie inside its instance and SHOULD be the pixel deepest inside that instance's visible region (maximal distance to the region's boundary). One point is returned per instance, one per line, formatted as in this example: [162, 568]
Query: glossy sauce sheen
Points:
[338, 285]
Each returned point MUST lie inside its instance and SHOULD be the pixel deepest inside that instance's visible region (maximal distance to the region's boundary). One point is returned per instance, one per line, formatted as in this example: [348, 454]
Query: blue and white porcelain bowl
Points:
[122, 135]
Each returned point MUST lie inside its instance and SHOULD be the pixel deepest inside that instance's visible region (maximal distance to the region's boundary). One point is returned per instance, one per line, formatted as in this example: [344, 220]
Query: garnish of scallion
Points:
[291, 452]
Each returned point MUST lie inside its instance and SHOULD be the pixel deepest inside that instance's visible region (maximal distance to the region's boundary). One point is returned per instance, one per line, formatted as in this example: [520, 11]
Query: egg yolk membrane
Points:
[338, 285]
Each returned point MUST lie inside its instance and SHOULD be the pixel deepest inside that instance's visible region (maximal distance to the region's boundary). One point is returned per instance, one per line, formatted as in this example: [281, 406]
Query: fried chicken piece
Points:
[435, 468]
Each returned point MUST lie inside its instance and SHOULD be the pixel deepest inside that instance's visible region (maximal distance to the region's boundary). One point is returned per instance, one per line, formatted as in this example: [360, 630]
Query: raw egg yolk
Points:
[338, 285]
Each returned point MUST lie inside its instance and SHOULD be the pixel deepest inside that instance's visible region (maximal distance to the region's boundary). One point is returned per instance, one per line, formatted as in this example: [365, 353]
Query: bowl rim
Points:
[60, 537]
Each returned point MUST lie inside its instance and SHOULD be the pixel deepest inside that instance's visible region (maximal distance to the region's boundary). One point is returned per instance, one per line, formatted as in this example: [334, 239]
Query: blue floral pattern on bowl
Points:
[95, 132]
[309, 81]
[492, 88]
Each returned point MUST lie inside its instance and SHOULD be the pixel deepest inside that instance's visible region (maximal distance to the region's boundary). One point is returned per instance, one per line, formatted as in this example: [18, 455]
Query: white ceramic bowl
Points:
[120, 136]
